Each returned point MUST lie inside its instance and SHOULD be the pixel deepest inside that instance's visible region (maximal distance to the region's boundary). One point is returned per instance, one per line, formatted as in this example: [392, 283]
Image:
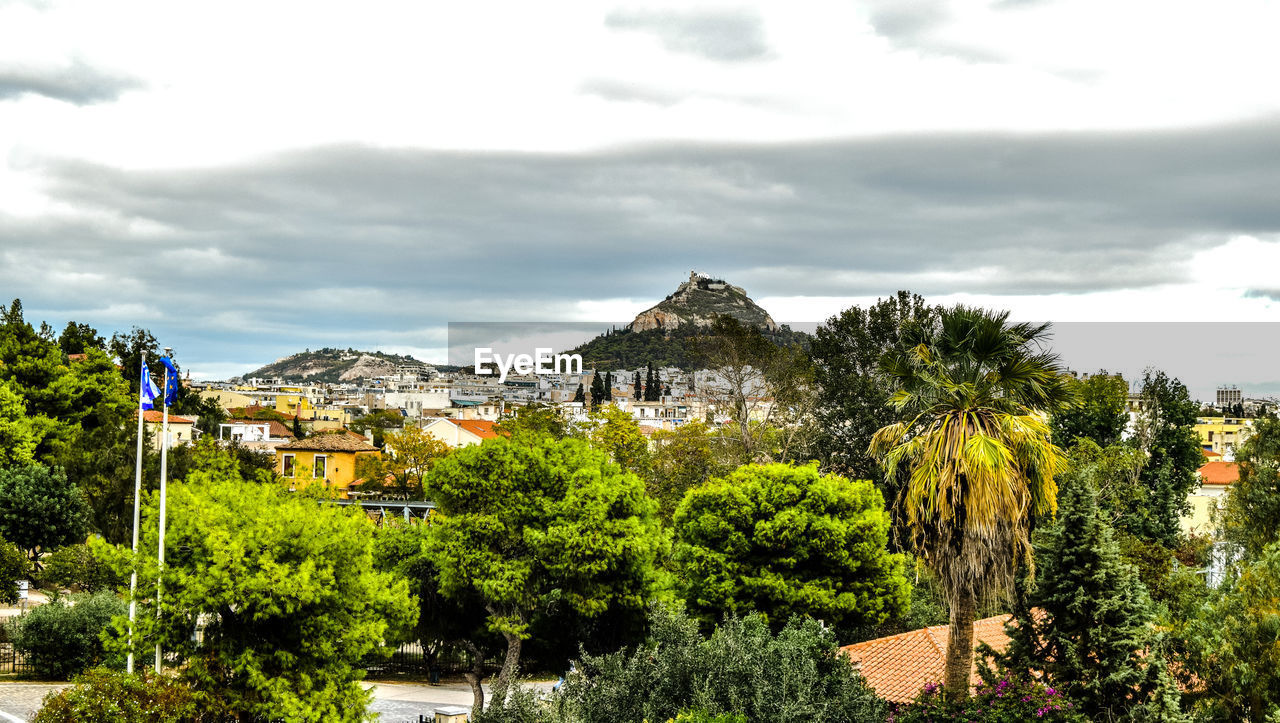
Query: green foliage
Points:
[79, 338]
[617, 433]
[529, 524]
[535, 419]
[59, 639]
[14, 566]
[106, 695]
[19, 435]
[380, 421]
[702, 716]
[853, 400]
[782, 540]
[1093, 620]
[1100, 414]
[742, 668]
[682, 458]
[1114, 473]
[1010, 700]
[1166, 432]
[81, 567]
[662, 348]
[284, 591]
[1234, 645]
[1252, 515]
[39, 508]
[130, 348]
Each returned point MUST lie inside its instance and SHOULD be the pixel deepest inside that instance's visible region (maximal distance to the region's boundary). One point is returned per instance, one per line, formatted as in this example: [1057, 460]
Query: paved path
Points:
[394, 702]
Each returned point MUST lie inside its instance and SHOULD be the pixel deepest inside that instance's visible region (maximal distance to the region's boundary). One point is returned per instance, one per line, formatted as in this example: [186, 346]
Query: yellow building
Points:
[228, 399]
[1209, 496]
[295, 404]
[328, 459]
[1223, 435]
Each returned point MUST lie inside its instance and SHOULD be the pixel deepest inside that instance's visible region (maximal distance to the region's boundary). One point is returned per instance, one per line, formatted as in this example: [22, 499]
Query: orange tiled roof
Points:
[157, 416]
[898, 666]
[1211, 455]
[478, 427]
[1220, 473]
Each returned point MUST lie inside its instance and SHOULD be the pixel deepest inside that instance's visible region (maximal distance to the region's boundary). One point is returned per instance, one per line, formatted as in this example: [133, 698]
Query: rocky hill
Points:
[333, 365]
[697, 302]
[666, 334]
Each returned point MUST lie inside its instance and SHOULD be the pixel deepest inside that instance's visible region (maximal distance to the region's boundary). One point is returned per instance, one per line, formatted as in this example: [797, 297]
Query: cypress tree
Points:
[580, 395]
[637, 391]
[597, 390]
[608, 386]
[1093, 615]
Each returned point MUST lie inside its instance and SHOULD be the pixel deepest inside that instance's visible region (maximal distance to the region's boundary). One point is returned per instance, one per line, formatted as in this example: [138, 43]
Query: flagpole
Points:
[164, 459]
[137, 497]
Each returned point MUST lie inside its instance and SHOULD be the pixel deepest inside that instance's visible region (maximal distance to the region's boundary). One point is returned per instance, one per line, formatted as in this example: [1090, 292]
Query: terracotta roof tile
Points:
[156, 416]
[331, 443]
[1220, 473]
[276, 428]
[898, 666]
[478, 427]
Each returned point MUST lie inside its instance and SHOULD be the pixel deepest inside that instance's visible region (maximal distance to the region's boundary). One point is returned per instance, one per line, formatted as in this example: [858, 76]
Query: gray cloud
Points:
[915, 25]
[625, 92]
[77, 83]
[723, 35]
[359, 246]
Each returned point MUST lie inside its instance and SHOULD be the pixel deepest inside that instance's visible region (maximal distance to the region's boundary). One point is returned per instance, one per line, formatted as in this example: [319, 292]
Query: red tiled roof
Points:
[1210, 454]
[156, 416]
[478, 427]
[1220, 473]
[898, 666]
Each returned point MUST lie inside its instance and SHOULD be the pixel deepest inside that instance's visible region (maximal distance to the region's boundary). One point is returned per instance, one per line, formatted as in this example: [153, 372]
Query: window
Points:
[320, 462]
[286, 465]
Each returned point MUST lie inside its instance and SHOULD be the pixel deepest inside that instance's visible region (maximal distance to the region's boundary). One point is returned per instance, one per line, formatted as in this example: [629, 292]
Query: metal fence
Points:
[11, 661]
[411, 659]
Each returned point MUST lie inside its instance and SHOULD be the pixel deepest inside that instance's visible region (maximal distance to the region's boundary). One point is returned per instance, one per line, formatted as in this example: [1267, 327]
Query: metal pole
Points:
[164, 460]
[137, 502]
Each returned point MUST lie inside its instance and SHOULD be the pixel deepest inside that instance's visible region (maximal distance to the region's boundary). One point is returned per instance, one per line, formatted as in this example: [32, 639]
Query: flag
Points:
[171, 379]
[148, 391]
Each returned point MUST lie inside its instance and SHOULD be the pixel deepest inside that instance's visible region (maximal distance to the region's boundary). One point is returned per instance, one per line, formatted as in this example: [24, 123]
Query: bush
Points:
[103, 695]
[701, 716]
[79, 567]
[14, 566]
[60, 640]
[1008, 701]
[742, 668]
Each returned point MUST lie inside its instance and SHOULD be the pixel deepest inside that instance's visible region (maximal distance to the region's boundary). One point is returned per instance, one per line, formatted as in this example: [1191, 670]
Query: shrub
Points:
[103, 695]
[13, 567]
[1008, 701]
[742, 668]
[59, 639]
[701, 716]
[79, 567]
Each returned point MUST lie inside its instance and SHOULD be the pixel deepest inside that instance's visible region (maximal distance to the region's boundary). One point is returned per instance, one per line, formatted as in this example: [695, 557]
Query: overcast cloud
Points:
[362, 178]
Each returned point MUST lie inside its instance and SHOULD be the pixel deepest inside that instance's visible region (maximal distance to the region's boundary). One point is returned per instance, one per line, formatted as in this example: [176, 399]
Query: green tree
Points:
[78, 338]
[617, 433]
[535, 419]
[1166, 433]
[40, 509]
[284, 591]
[19, 435]
[683, 458]
[82, 568]
[781, 540]
[530, 524]
[407, 458]
[380, 421]
[1252, 514]
[580, 396]
[608, 386]
[597, 390]
[971, 393]
[1101, 414]
[14, 566]
[637, 389]
[1234, 645]
[1093, 616]
[129, 349]
[853, 398]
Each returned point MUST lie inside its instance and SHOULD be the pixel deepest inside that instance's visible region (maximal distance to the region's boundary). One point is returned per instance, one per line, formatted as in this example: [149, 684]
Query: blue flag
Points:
[171, 379]
[147, 392]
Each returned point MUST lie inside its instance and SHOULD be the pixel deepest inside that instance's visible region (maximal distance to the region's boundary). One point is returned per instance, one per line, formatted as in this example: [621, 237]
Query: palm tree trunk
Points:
[960, 647]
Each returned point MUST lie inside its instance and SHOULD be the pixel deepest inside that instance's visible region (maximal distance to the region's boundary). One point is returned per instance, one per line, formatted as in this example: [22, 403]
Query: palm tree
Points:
[972, 391]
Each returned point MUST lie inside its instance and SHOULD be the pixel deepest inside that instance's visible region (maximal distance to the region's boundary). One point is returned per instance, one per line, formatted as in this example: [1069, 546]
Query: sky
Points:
[251, 179]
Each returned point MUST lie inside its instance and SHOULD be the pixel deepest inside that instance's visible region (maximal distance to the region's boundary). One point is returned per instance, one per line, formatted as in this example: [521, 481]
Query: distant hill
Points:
[333, 366]
[664, 334]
